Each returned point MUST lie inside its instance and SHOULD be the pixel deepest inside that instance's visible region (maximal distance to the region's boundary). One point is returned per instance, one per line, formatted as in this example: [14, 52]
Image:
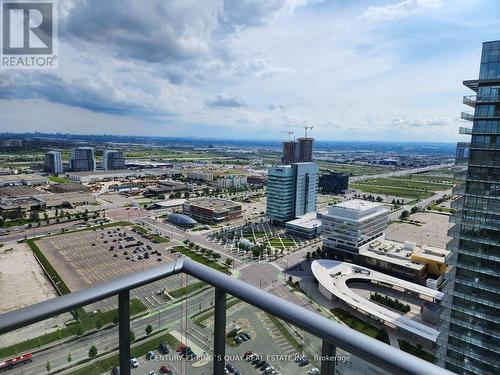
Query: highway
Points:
[399, 172]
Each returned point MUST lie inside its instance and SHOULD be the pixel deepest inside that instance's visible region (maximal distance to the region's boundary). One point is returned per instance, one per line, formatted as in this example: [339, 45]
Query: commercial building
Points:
[291, 191]
[22, 179]
[470, 332]
[73, 199]
[305, 188]
[280, 194]
[333, 182]
[423, 265]
[212, 210]
[349, 225]
[95, 176]
[53, 162]
[112, 160]
[307, 226]
[82, 159]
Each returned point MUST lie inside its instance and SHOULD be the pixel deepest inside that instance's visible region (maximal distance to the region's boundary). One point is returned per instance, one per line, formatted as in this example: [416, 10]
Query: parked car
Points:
[150, 355]
[166, 370]
[230, 367]
[164, 348]
[313, 371]
[115, 371]
[134, 362]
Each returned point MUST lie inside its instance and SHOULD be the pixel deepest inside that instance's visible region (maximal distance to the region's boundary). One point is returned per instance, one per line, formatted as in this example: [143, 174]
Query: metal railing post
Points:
[124, 331]
[219, 331]
[327, 361]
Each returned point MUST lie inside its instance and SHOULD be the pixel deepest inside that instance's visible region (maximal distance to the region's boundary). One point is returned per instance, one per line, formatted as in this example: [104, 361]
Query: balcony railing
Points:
[465, 130]
[332, 334]
[469, 116]
[472, 100]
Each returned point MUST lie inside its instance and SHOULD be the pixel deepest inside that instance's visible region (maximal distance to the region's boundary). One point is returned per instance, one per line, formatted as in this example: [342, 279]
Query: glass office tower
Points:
[470, 328]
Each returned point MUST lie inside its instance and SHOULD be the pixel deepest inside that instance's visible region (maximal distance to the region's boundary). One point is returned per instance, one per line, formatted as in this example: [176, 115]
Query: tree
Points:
[308, 255]
[149, 329]
[69, 358]
[98, 324]
[404, 214]
[92, 352]
[132, 336]
[47, 366]
[414, 209]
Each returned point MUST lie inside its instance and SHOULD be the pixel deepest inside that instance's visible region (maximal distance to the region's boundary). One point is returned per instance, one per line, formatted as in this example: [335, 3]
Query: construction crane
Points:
[303, 127]
[289, 135]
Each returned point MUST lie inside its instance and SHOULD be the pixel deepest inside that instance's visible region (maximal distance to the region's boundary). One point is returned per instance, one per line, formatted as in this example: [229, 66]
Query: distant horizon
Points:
[3, 134]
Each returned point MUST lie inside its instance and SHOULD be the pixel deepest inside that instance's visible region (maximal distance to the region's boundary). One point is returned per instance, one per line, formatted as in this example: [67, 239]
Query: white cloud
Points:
[401, 9]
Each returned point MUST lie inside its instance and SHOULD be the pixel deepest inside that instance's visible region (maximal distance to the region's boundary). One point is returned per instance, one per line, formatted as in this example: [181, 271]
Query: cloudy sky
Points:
[353, 69]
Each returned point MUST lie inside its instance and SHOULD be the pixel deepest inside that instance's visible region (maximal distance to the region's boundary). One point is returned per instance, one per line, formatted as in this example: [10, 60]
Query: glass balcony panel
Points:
[64, 341]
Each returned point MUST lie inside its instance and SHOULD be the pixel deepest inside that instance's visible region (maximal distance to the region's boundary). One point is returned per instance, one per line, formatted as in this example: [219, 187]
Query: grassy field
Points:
[409, 184]
[360, 325]
[393, 191]
[353, 169]
[60, 180]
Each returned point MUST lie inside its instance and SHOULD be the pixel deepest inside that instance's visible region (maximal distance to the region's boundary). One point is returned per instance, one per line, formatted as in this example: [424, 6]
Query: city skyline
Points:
[221, 70]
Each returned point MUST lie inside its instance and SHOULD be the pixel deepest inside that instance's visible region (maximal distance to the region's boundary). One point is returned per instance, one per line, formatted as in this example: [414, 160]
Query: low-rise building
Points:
[72, 199]
[307, 226]
[95, 176]
[212, 210]
[23, 179]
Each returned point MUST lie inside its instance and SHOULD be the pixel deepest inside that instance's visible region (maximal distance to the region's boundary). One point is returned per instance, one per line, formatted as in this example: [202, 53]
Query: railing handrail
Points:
[356, 343]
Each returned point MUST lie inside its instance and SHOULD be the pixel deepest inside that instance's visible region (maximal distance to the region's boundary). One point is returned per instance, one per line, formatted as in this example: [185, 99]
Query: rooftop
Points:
[334, 276]
[356, 210]
[215, 204]
[308, 221]
[102, 173]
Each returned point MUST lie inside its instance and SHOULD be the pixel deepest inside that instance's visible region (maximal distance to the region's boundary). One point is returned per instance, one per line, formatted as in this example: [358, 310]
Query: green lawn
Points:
[409, 348]
[60, 180]
[360, 325]
[406, 184]
[386, 190]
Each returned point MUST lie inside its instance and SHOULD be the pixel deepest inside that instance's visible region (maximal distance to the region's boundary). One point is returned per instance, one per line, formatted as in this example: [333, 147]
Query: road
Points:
[398, 173]
[20, 233]
[107, 339]
[421, 204]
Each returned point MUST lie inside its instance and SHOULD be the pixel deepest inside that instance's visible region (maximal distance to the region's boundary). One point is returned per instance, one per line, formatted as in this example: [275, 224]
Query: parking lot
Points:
[87, 258]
